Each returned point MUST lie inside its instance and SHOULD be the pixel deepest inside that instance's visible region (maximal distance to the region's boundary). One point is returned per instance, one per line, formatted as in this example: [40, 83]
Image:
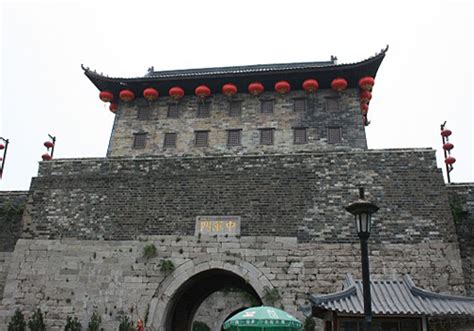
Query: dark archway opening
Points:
[195, 290]
[232, 314]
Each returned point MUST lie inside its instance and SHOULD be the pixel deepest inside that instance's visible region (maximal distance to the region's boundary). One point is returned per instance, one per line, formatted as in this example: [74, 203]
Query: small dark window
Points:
[267, 106]
[299, 104]
[144, 113]
[332, 104]
[201, 138]
[170, 140]
[139, 140]
[334, 135]
[203, 109]
[235, 108]
[173, 110]
[266, 136]
[233, 137]
[300, 136]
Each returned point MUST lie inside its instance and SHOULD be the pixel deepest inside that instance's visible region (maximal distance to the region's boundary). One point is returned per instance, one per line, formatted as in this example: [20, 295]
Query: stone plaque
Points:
[221, 225]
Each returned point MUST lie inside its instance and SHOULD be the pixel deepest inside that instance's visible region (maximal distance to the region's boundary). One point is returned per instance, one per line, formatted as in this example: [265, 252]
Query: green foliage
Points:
[36, 323]
[167, 266]
[271, 296]
[149, 251]
[11, 211]
[200, 326]
[94, 323]
[456, 209]
[126, 324]
[72, 324]
[309, 324]
[17, 322]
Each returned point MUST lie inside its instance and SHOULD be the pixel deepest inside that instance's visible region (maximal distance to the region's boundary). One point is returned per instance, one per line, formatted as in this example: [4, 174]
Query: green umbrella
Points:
[263, 319]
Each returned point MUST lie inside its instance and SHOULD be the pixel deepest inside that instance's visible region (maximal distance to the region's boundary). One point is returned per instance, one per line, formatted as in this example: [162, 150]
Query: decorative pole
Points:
[447, 147]
[362, 211]
[3, 147]
[49, 145]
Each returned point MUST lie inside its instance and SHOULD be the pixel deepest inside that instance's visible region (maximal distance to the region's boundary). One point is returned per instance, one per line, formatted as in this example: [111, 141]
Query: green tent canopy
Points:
[264, 319]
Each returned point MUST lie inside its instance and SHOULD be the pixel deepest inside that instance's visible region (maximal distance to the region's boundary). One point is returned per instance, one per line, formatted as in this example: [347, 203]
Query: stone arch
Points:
[223, 316]
[163, 299]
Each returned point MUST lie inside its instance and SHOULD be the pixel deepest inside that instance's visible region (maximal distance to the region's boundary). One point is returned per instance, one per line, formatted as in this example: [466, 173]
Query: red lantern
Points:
[282, 87]
[106, 96]
[365, 96]
[2, 146]
[339, 84]
[310, 85]
[446, 133]
[202, 91]
[256, 88]
[150, 94]
[364, 108]
[46, 157]
[366, 83]
[113, 107]
[176, 92]
[450, 160]
[48, 144]
[448, 146]
[126, 95]
[229, 89]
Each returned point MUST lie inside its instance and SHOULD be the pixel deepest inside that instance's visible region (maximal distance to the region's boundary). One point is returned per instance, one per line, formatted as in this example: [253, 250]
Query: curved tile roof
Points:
[393, 297]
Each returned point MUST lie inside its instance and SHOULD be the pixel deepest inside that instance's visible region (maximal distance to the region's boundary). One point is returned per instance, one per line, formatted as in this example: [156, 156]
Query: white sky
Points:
[425, 79]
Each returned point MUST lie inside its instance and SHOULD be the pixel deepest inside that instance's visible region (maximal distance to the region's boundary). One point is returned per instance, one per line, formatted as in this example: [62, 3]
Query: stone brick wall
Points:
[461, 198]
[11, 209]
[75, 277]
[301, 195]
[316, 118]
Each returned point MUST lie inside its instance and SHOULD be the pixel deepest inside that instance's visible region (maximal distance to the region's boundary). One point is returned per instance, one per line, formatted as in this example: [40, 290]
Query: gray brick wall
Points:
[317, 118]
[300, 195]
[11, 206]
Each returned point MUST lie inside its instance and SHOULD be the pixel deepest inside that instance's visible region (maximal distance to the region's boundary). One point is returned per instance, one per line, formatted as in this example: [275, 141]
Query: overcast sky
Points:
[425, 79]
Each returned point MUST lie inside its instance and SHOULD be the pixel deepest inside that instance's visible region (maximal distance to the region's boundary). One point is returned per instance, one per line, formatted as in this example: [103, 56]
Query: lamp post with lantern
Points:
[362, 211]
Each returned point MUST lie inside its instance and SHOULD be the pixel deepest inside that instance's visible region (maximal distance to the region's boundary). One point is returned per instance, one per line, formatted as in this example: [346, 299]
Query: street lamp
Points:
[362, 211]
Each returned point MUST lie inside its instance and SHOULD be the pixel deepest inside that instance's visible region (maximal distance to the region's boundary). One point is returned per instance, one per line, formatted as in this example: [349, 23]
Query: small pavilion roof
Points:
[241, 76]
[391, 297]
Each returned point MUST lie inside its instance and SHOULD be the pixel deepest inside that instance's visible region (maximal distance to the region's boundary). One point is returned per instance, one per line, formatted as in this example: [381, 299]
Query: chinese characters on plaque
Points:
[220, 225]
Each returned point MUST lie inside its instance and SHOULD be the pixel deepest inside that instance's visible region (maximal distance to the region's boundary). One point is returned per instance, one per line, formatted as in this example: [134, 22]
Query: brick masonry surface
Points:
[75, 277]
[300, 195]
[461, 198]
[316, 118]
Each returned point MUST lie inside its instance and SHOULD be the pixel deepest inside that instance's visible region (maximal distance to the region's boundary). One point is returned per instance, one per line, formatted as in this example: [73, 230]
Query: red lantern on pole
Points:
[256, 88]
[339, 84]
[364, 108]
[282, 87]
[2, 146]
[48, 144]
[46, 157]
[448, 146]
[310, 85]
[450, 160]
[202, 91]
[150, 94]
[106, 96]
[176, 92]
[446, 133]
[113, 107]
[365, 96]
[366, 83]
[229, 90]
[126, 95]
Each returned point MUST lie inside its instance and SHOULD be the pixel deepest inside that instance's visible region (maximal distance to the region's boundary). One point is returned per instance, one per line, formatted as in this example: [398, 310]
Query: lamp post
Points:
[362, 211]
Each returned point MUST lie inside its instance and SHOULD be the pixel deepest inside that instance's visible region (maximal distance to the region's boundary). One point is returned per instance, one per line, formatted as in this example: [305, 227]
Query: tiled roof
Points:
[392, 297]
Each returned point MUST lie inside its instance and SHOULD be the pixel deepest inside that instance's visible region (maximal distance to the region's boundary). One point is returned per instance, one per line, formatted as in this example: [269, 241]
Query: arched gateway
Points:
[180, 295]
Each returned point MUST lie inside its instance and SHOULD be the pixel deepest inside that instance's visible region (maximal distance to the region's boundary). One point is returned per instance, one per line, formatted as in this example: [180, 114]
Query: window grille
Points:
[201, 138]
[203, 109]
[235, 108]
[170, 140]
[299, 104]
[267, 106]
[173, 110]
[332, 104]
[234, 137]
[144, 113]
[139, 140]
[300, 136]
[266, 136]
[334, 135]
